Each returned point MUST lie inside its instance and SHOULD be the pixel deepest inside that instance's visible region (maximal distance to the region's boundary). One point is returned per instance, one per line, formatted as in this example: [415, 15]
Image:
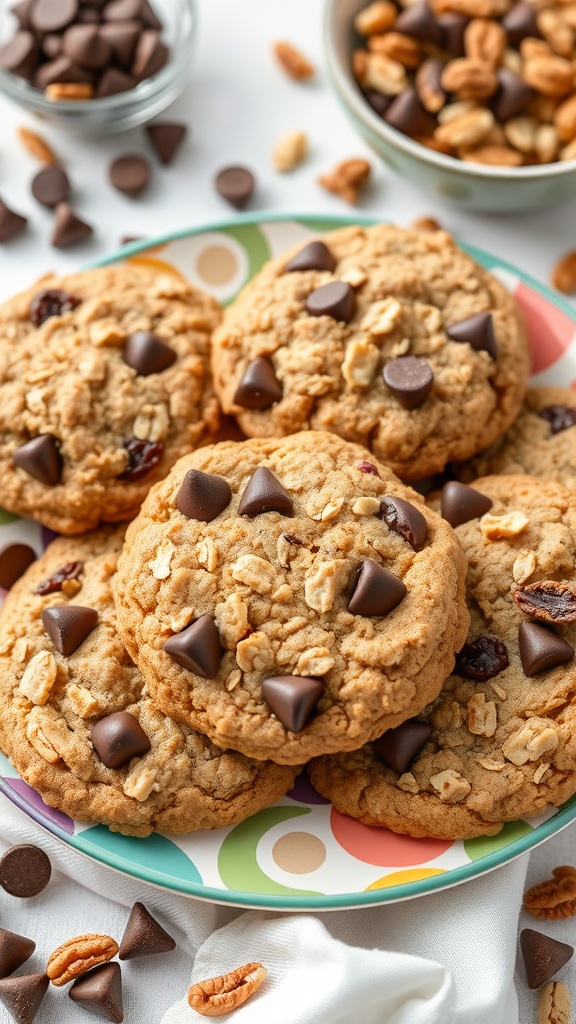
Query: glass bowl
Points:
[125, 110]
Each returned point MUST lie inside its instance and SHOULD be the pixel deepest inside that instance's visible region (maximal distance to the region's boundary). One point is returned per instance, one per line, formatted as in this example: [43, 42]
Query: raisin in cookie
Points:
[290, 597]
[104, 384]
[392, 338]
[77, 723]
[499, 742]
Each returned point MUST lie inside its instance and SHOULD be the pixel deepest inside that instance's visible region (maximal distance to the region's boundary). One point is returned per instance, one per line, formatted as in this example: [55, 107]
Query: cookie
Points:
[290, 597]
[391, 338]
[78, 725]
[104, 384]
[499, 742]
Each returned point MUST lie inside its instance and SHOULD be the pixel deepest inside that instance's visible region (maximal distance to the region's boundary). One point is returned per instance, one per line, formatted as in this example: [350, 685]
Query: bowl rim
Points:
[345, 85]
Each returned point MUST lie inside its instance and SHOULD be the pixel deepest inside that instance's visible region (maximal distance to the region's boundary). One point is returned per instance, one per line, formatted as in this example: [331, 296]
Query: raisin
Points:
[547, 600]
[368, 467]
[482, 659]
[142, 457]
[51, 303]
[560, 417]
[70, 571]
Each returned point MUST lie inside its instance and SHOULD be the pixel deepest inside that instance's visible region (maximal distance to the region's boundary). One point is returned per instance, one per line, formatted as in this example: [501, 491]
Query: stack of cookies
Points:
[289, 599]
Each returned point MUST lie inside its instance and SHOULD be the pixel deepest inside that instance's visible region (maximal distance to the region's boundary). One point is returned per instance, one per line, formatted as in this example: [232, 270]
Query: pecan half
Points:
[547, 600]
[292, 61]
[555, 898]
[216, 997]
[78, 955]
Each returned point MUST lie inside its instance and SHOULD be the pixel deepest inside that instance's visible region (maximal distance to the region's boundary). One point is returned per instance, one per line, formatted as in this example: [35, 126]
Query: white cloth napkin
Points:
[447, 958]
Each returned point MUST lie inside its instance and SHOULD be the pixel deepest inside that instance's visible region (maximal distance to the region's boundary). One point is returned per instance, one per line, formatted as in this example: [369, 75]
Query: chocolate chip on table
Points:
[23, 995]
[14, 560]
[481, 659]
[24, 870]
[143, 456]
[52, 15]
[410, 379]
[166, 137]
[130, 174]
[335, 299]
[86, 46]
[543, 956]
[146, 353]
[541, 649]
[68, 626]
[20, 55]
[404, 518]
[11, 223]
[376, 591]
[203, 496]
[41, 459]
[69, 228]
[118, 738]
[100, 992]
[398, 747]
[197, 647]
[258, 387]
[51, 302]
[314, 256]
[55, 583]
[560, 417]
[235, 185]
[15, 950]
[264, 493]
[547, 600]
[293, 699]
[460, 503]
[477, 331]
[143, 936]
[51, 186]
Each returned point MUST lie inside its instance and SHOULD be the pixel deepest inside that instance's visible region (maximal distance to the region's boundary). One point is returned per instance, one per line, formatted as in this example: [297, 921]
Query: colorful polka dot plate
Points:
[301, 854]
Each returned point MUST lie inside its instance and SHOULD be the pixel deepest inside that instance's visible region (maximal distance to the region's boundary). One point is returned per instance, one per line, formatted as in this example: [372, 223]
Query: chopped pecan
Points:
[216, 997]
[547, 600]
[555, 898]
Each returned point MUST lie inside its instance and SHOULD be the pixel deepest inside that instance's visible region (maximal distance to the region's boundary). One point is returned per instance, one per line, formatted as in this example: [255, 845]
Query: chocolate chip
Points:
[112, 81]
[146, 353]
[53, 15]
[482, 659]
[314, 256]
[143, 936]
[419, 22]
[130, 174]
[547, 600]
[410, 379]
[405, 519]
[122, 10]
[368, 467]
[166, 138]
[292, 699]
[143, 457]
[52, 46]
[118, 738]
[541, 649]
[560, 417]
[259, 387]
[86, 45]
[61, 70]
[15, 950]
[53, 584]
[21, 12]
[335, 299]
[51, 186]
[69, 228]
[14, 560]
[378, 101]
[151, 55]
[452, 27]
[398, 747]
[41, 459]
[459, 503]
[376, 591]
[68, 626]
[235, 185]
[203, 496]
[51, 302]
[122, 38]
[543, 956]
[23, 995]
[11, 223]
[407, 114]
[88, 16]
[20, 55]
[477, 331]
[197, 647]
[264, 494]
[513, 96]
[100, 991]
[520, 22]
[24, 870]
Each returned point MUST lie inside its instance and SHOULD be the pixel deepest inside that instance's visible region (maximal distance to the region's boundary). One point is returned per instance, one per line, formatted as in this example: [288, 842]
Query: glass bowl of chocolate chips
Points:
[95, 66]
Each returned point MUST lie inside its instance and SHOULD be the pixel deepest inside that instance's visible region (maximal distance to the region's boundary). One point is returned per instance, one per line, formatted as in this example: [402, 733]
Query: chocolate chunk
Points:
[314, 256]
[452, 27]
[23, 995]
[405, 519]
[292, 699]
[513, 96]
[520, 22]
[541, 649]
[481, 659]
[20, 55]
[235, 185]
[68, 626]
[419, 22]
[335, 299]
[410, 379]
[378, 101]
[41, 459]
[151, 55]
[15, 950]
[197, 647]
[259, 387]
[547, 600]
[166, 138]
[11, 223]
[24, 870]
[54, 583]
[86, 45]
[143, 936]
[143, 457]
[560, 417]
[265, 494]
[146, 353]
[51, 302]
[118, 738]
[51, 186]
[14, 560]
[376, 590]
[368, 467]
[477, 331]
[459, 503]
[69, 228]
[61, 69]
[112, 82]
[398, 747]
[203, 496]
[122, 37]
[130, 174]
[543, 956]
[53, 15]
[407, 113]
[100, 991]
[122, 10]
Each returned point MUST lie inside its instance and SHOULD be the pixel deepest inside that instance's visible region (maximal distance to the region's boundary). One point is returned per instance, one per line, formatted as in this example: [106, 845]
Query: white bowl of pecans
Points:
[474, 100]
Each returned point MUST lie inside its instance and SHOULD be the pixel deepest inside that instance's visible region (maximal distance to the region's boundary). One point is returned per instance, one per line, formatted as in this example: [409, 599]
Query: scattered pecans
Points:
[36, 146]
[564, 273]
[216, 997]
[555, 898]
[293, 62]
[78, 955]
[289, 151]
[347, 179]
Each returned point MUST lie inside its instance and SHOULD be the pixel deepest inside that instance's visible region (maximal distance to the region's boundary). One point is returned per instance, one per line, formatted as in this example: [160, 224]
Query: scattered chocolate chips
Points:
[86, 45]
[314, 256]
[404, 518]
[143, 936]
[20, 55]
[419, 22]
[24, 870]
[235, 185]
[368, 467]
[146, 353]
[292, 699]
[166, 137]
[54, 583]
[69, 228]
[560, 417]
[541, 649]
[547, 600]
[68, 626]
[23, 995]
[482, 659]
[398, 747]
[203, 496]
[259, 387]
[51, 186]
[197, 647]
[118, 738]
[264, 493]
[513, 96]
[520, 22]
[15, 950]
[376, 591]
[11, 223]
[335, 299]
[477, 331]
[41, 459]
[407, 113]
[100, 991]
[14, 560]
[53, 15]
[410, 379]
[51, 302]
[460, 503]
[543, 956]
[143, 456]
[130, 174]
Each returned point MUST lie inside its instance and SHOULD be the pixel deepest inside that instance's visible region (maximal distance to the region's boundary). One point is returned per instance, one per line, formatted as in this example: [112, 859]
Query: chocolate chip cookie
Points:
[77, 723]
[104, 384]
[290, 597]
[499, 742]
[391, 338]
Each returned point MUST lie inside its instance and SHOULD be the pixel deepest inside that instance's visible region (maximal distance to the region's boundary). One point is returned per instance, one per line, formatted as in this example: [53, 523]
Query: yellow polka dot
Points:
[299, 853]
[402, 877]
[217, 265]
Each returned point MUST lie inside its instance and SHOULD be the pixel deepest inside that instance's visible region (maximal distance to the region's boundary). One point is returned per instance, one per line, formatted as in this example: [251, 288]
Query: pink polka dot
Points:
[550, 331]
[380, 846]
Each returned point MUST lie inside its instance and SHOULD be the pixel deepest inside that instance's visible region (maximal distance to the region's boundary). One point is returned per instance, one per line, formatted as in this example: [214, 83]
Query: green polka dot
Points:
[7, 517]
[252, 239]
[485, 845]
